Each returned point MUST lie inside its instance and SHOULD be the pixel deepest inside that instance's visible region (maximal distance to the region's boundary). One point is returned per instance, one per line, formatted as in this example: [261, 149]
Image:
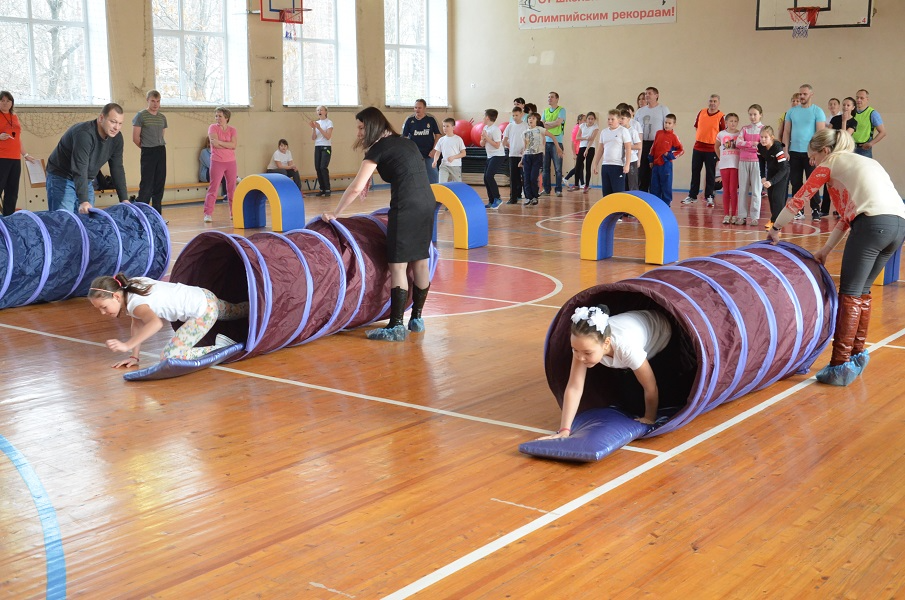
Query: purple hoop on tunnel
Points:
[31, 252]
[7, 265]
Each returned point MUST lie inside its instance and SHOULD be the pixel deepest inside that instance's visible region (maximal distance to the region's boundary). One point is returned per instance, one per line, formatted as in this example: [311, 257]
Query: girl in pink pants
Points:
[224, 140]
[728, 155]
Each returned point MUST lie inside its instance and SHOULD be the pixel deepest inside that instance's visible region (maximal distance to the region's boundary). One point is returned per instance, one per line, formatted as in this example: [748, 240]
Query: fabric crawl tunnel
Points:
[742, 320]
[301, 285]
[47, 256]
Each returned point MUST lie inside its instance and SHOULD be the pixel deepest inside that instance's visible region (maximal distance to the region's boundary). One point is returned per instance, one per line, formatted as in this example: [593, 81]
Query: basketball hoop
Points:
[803, 17]
[293, 15]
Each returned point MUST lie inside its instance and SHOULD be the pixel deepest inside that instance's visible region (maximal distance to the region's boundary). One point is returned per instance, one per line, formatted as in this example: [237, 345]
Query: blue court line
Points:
[53, 539]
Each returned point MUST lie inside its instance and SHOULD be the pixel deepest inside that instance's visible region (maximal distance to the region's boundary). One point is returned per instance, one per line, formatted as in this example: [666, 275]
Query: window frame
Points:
[96, 54]
[345, 53]
[436, 47]
[236, 87]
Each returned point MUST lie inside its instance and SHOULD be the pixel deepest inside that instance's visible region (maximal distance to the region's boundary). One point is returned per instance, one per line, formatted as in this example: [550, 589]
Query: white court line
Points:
[312, 386]
[540, 510]
[569, 507]
[437, 411]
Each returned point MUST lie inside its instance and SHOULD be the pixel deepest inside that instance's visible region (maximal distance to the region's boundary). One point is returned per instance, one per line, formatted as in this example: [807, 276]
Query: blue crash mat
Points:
[177, 367]
[595, 433]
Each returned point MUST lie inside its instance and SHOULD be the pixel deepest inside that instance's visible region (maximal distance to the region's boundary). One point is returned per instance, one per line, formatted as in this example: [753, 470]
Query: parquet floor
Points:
[355, 469]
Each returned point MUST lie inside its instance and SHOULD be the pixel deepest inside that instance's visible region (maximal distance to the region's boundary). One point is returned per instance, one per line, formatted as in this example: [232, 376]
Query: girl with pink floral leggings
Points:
[151, 302]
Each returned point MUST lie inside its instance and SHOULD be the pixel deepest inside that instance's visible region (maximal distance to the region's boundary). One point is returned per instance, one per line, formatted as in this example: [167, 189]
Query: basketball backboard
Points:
[774, 14]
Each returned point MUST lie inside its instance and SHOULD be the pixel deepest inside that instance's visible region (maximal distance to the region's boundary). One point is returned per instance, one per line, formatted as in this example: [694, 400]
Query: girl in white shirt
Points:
[587, 142]
[151, 302]
[322, 134]
[624, 341]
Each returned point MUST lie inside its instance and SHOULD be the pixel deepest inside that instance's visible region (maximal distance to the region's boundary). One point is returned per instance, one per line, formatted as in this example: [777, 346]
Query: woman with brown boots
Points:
[869, 205]
[411, 218]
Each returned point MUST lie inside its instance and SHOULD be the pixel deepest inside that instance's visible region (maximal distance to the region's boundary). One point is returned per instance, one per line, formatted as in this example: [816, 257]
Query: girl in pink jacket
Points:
[749, 167]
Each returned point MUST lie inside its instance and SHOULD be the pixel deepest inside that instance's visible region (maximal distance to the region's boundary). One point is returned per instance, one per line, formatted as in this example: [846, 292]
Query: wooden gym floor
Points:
[356, 469]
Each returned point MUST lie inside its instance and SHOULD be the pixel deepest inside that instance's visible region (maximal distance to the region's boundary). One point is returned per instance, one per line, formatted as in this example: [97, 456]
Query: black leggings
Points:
[778, 195]
[322, 155]
[10, 172]
[871, 241]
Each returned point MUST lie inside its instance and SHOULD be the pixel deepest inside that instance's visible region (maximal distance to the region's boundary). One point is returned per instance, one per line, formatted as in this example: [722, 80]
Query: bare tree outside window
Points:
[194, 43]
[48, 47]
[415, 52]
[319, 57]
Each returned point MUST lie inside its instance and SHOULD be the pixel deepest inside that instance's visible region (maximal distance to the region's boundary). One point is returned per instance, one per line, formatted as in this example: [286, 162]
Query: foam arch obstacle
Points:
[300, 285]
[661, 230]
[468, 213]
[287, 206]
[742, 320]
[53, 255]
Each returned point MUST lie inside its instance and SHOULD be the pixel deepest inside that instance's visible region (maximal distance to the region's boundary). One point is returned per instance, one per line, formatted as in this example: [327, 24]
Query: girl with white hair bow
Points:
[624, 341]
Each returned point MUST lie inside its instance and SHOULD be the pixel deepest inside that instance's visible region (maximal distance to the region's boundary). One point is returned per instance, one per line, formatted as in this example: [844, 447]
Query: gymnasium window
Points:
[320, 66]
[201, 51]
[55, 51]
[415, 53]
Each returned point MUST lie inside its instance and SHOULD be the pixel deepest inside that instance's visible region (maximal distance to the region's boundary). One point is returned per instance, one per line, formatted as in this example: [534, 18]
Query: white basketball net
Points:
[801, 21]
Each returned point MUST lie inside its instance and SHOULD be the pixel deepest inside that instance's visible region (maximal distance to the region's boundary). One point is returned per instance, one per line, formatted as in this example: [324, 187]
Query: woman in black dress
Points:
[411, 217]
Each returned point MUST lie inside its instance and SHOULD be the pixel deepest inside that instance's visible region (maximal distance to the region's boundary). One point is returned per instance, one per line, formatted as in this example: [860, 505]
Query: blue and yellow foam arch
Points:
[287, 206]
[890, 272]
[469, 216]
[661, 230]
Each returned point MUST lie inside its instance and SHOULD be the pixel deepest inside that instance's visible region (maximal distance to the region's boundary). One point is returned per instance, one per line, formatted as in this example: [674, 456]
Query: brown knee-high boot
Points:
[847, 320]
[861, 333]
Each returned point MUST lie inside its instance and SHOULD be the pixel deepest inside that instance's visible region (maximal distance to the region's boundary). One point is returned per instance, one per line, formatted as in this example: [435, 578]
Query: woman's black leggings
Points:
[871, 241]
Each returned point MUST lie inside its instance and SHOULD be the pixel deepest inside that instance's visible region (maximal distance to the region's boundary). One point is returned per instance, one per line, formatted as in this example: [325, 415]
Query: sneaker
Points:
[740, 221]
[559, 194]
[221, 341]
[726, 220]
[733, 220]
[689, 200]
[496, 204]
[534, 202]
[208, 218]
[512, 201]
[709, 202]
[544, 194]
[752, 222]
[800, 215]
[815, 215]
[528, 202]
[571, 188]
[586, 189]
[489, 202]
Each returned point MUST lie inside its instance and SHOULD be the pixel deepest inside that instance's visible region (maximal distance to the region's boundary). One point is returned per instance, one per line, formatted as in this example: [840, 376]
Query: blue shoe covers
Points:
[388, 334]
[860, 361]
[842, 374]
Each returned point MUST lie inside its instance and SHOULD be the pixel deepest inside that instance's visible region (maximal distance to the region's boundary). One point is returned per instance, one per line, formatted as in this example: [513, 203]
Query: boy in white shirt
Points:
[514, 139]
[452, 148]
[625, 119]
[281, 162]
[614, 148]
[492, 140]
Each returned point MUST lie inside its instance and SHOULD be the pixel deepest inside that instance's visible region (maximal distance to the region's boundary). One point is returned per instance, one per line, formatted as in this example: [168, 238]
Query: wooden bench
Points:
[311, 180]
